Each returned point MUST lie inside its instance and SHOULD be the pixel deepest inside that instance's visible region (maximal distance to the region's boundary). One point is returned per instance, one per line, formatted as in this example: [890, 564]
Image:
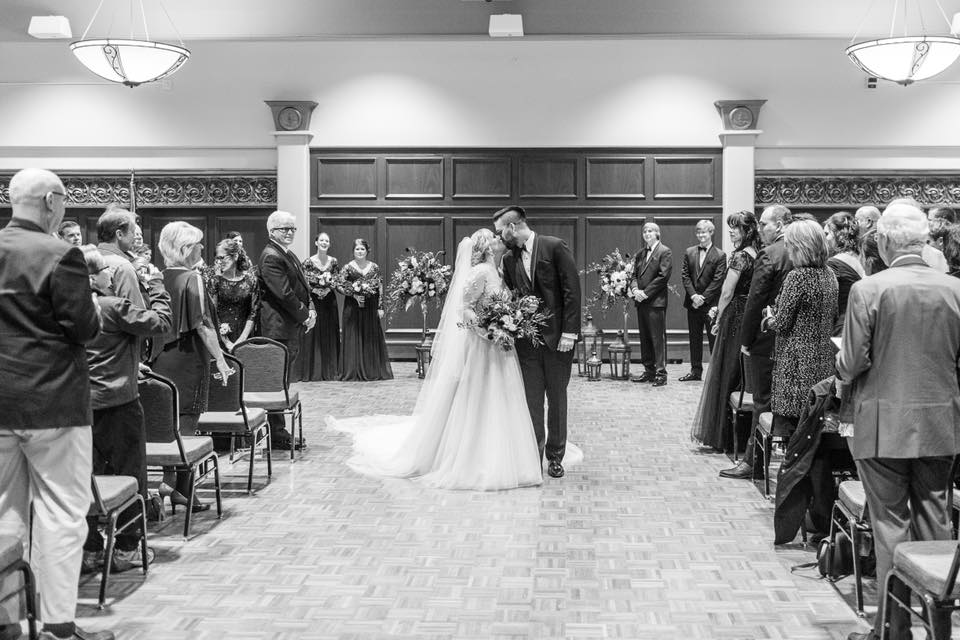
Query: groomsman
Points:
[704, 268]
[651, 272]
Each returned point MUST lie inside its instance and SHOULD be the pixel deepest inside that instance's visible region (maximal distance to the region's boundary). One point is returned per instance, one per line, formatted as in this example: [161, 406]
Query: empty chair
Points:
[851, 504]
[741, 404]
[111, 495]
[12, 562]
[928, 570]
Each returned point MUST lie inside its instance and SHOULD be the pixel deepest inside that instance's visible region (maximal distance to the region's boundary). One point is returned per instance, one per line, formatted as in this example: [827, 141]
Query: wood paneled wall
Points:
[595, 199]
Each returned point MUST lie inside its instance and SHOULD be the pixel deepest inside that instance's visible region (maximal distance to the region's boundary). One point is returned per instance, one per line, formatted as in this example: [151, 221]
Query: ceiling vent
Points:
[506, 25]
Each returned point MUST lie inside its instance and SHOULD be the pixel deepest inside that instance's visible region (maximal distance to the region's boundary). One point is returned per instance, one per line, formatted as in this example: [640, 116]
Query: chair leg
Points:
[30, 600]
[216, 485]
[253, 450]
[269, 439]
[300, 423]
[833, 542]
[767, 455]
[857, 569]
[293, 430]
[108, 556]
[189, 507]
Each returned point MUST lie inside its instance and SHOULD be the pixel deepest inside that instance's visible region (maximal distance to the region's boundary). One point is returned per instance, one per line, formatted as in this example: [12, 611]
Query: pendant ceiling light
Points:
[907, 58]
[131, 61]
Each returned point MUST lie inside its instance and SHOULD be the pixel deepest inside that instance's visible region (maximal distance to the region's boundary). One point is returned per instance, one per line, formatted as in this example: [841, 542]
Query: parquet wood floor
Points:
[640, 541]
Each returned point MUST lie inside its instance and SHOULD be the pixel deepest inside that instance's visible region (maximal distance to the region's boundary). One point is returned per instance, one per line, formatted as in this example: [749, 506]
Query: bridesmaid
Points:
[235, 290]
[324, 365]
[363, 355]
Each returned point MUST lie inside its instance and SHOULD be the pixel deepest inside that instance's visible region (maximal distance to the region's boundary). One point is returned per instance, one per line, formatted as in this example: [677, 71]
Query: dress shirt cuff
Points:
[569, 336]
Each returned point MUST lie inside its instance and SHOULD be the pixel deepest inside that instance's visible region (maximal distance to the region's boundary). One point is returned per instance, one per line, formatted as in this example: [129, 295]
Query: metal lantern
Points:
[593, 366]
[592, 342]
[423, 355]
[619, 352]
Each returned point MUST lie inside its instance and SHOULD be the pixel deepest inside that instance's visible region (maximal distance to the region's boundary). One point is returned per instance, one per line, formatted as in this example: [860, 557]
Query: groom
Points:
[543, 266]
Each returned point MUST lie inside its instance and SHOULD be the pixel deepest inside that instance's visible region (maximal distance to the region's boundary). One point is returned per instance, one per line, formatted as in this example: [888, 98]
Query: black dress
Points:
[237, 302]
[321, 347]
[363, 354]
[846, 276]
[710, 426]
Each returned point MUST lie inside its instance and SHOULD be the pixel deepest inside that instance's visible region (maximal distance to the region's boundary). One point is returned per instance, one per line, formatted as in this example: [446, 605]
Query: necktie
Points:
[702, 255]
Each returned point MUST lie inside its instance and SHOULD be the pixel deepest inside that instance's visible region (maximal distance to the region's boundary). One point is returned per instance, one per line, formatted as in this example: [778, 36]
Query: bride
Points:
[470, 428]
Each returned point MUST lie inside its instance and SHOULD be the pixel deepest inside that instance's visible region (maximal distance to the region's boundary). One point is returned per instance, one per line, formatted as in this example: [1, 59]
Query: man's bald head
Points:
[38, 195]
[902, 229]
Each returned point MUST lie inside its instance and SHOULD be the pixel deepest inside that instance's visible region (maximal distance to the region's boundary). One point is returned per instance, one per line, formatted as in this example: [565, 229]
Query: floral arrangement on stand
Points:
[614, 271]
[420, 275]
[503, 319]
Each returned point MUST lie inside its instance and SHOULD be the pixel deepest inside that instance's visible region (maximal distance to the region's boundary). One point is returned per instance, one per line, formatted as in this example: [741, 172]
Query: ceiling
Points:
[455, 19]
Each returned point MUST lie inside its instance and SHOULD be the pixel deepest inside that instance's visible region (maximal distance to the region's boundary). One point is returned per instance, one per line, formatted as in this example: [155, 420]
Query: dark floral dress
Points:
[804, 318]
[321, 347]
[710, 426]
[237, 301]
[363, 353]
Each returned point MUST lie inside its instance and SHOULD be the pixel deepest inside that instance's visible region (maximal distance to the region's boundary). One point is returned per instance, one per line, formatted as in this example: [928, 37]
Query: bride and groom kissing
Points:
[478, 422]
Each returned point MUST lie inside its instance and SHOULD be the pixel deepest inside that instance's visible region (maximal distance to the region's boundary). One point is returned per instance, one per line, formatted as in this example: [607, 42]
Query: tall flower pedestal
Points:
[619, 351]
[426, 344]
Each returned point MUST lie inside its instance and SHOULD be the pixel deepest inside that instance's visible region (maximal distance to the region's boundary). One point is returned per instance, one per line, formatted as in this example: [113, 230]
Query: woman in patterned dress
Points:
[711, 427]
[806, 310]
[363, 353]
[235, 290]
[323, 343]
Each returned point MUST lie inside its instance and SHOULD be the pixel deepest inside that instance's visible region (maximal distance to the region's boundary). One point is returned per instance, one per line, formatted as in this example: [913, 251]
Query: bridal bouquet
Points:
[615, 271]
[503, 319]
[361, 287]
[418, 275]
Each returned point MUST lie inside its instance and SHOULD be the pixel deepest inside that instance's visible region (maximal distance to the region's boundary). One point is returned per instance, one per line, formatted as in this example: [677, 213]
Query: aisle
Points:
[641, 541]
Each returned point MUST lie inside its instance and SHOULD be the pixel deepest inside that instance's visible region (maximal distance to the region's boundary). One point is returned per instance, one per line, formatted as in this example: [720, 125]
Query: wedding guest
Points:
[235, 290]
[867, 217]
[69, 232]
[843, 245]
[870, 254]
[191, 343]
[117, 232]
[235, 235]
[711, 427]
[321, 271]
[771, 267]
[47, 313]
[702, 274]
[651, 273]
[951, 250]
[286, 310]
[901, 337]
[363, 354]
[803, 318]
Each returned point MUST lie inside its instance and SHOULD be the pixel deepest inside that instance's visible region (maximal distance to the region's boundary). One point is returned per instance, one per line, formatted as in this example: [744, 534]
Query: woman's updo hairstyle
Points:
[232, 248]
[482, 246]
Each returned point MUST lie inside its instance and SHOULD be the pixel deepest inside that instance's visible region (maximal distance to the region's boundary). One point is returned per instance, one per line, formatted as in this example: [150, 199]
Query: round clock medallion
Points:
[289, 118]
[741, 118]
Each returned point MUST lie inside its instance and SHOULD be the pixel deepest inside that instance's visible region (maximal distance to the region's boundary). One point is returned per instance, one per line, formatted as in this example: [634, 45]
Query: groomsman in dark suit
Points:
[651, 272]
[704, 268]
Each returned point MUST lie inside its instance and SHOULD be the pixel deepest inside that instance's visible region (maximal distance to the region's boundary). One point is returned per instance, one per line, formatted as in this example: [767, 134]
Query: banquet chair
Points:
[111, 495]
[266, 383]
[740, 403]
[227, 415]
[849, 513]
[765, 439]
[167, 448]
[12, 562]
[928, 570]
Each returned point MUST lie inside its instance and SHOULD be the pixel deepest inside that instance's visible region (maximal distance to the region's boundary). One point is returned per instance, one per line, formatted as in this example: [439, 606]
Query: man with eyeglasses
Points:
[47, 313]
[285, 302]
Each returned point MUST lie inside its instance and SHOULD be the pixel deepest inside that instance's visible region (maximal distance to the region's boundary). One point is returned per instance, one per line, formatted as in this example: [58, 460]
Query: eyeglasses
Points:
[285, 229]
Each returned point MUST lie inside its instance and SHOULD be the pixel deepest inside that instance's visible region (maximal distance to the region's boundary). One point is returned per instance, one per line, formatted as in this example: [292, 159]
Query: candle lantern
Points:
[423, 355]
[619, 352]
[592, 342]
[593, 366]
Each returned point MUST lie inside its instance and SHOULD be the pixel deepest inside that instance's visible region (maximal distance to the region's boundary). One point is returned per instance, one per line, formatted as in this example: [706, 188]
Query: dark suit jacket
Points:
[771, 267]
[285, 294]
[706, 281]
[47, 313]
[556, 282]
[653, 276]
[900, 347]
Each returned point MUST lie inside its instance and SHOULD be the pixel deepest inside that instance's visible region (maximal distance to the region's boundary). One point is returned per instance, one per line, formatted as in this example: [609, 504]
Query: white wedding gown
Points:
[470, 428]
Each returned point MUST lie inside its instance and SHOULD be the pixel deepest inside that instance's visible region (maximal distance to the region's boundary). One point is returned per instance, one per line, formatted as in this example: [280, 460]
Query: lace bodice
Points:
[483, 279]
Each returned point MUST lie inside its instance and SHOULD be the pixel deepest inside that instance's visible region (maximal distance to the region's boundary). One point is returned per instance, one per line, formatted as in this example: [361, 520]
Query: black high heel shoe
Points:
[177, 498]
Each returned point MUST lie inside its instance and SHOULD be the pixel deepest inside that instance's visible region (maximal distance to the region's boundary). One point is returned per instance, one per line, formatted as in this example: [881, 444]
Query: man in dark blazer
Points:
[901, 342]
[544, 266]
[47, 313]
[285, 305]
[704, 268]
[771, 267]
[651, 273]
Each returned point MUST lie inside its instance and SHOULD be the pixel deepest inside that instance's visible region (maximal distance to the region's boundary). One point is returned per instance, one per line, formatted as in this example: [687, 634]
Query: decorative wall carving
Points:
[164, 190]
[855, 190]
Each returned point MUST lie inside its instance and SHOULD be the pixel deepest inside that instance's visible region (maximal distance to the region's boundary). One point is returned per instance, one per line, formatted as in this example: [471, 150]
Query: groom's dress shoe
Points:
[689, 377]
[659, 382]
[739, 472]
[643, 377]
[555, 469]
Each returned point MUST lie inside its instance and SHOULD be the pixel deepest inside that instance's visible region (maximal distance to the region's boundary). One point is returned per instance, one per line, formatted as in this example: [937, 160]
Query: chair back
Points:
[265, 363]
[227, 397]
[746, 376]
[161, 410]
[97, 500]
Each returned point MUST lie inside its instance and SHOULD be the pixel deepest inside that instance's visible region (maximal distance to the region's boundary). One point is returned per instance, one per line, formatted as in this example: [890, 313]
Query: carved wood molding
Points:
[158, 190]
[856, 190]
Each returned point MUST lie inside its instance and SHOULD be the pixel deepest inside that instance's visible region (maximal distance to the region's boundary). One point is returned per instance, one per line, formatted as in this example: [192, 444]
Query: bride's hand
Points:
[469, 316]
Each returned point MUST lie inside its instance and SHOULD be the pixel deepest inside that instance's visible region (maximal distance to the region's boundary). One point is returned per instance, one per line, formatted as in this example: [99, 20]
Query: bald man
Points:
[47, 313]
[901, 342]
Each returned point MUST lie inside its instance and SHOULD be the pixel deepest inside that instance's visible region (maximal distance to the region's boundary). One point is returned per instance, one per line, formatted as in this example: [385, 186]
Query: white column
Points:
[293, 184]
[739, 171]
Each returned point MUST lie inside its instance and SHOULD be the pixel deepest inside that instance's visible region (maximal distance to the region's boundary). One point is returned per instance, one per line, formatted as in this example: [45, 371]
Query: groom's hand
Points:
[566, 344]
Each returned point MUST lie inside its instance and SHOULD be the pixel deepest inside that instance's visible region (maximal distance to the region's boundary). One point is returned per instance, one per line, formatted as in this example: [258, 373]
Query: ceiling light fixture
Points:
[131, 62]
[907, 58]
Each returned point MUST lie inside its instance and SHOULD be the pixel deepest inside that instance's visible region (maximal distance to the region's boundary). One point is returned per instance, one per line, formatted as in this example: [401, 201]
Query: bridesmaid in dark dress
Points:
[710, 426]
[363, 354]
[843, 243]
[235, 290]
[323, 355]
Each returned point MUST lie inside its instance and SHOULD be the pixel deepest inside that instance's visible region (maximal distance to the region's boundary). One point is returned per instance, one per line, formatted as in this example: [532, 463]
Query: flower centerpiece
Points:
[420, 275]
[614, 272]
[503, 319]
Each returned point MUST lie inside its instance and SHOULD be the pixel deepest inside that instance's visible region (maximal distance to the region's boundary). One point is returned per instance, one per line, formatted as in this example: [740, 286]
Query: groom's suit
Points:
[554, 279]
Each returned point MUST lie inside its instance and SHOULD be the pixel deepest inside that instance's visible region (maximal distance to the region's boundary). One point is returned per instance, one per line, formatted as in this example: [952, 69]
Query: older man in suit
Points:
[286, 308]
[47, 313]
[901, 342]
[651, 273]
[704, 268]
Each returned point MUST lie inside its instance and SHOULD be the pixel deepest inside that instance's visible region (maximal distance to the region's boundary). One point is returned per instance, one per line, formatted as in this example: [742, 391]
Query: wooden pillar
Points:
[739, 139]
